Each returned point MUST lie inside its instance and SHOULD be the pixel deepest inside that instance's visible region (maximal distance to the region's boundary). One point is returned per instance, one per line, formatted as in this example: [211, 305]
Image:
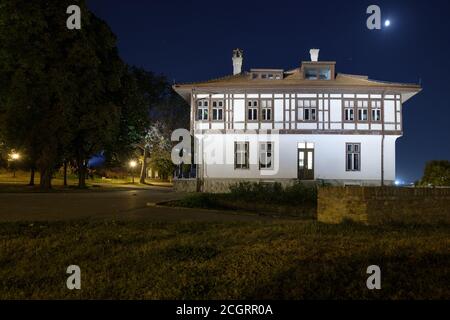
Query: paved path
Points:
[124, 204]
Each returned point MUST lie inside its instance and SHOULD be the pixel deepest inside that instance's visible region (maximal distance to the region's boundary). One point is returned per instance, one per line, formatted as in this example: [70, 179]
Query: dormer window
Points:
[311, 74]
[318, 70]
[267, 74]
[325, 73]
[318, 73]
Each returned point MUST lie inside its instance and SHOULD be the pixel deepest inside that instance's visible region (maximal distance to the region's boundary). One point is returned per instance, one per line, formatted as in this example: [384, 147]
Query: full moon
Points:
[387, 23]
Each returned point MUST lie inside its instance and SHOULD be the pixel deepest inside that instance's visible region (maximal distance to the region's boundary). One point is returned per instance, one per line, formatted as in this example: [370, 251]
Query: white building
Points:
[307, 124]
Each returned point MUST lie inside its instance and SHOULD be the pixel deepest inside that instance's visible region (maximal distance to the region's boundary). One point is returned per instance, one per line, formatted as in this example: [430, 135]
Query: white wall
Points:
[329, 156]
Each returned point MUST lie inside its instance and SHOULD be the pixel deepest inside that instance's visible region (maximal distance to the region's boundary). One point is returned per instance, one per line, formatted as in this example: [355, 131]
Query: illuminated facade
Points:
[308, 124]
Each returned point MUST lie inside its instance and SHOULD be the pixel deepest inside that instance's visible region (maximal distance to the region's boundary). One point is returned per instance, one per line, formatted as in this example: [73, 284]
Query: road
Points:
[125, 204]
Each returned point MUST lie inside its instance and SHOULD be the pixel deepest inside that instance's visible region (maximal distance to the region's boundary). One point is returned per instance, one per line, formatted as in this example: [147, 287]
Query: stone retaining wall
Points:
[185, 185]
[384, 205]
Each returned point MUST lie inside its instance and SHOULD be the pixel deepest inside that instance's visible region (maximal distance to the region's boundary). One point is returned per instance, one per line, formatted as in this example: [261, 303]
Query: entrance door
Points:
[306, 161]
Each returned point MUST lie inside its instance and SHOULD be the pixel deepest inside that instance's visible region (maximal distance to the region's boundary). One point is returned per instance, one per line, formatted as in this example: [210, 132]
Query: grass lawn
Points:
[266, 260]
[19, 183]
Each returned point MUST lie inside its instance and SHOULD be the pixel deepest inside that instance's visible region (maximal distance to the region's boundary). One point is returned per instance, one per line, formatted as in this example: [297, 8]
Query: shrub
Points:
[274, 193]
[199, 200]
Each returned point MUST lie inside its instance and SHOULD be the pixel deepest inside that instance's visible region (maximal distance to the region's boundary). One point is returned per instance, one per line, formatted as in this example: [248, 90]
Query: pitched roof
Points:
[294, 79]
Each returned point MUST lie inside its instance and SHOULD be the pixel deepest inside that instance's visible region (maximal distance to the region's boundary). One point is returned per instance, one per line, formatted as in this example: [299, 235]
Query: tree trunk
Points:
[82, 175]
[46, 178]
[65, 173]
[144, 167]
[32, 173]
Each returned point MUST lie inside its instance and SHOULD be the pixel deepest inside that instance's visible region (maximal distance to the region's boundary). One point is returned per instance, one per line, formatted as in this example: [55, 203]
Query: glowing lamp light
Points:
[15, 156]
[387, 23]
[132, 164]
[398, 182]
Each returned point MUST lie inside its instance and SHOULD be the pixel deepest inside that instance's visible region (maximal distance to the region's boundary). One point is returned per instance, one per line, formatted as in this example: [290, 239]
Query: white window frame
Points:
[202, 110]
[252, 110]
[242, 152]
[363, 110]
[376, 111]
[349, 111]
[307, 110]
[217, 109]
[265, 153]
[353, 157]
[266, 110]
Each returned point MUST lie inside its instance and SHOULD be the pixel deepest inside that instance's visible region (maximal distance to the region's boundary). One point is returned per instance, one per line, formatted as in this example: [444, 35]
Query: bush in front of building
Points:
[275, 193]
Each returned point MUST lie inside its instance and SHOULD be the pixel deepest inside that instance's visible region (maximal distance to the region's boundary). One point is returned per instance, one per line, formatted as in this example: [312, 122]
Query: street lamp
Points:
[14, 157]
[132, 165]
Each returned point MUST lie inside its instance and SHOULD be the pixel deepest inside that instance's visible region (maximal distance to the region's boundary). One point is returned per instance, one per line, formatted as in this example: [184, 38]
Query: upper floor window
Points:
[252, 110]
[241, 155]
[266, 155]
[202, 110]
[353, 156]
[349, 110]
[307, 110]
[217, 110]
[266, 110]
[363, 110]
[376, 110]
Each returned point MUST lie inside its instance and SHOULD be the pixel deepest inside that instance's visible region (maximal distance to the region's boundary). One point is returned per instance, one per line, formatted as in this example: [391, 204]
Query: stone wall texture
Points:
[382, 205]
[185, 185]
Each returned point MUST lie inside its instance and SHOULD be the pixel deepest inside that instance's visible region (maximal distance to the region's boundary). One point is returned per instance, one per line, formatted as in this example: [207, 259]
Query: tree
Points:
[437, 173]
[59, 94]
[149, 102]
[155, 146]
[141, 91]
[95, 72]
[31, 80]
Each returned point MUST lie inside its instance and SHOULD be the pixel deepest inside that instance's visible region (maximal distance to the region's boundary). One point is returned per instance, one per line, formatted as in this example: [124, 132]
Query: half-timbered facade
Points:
[309, 124]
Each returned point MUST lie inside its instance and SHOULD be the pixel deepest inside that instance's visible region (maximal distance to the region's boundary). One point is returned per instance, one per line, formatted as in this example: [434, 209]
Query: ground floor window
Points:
[241, 155]
[266, 155]
[353, 156]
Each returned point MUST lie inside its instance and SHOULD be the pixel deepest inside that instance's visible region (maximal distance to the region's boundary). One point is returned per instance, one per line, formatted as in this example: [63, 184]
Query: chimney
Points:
[314, 54]
[238, 57]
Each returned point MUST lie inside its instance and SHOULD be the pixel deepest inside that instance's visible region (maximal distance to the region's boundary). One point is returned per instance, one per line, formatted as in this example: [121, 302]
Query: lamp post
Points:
[132, 165]
[14, 157]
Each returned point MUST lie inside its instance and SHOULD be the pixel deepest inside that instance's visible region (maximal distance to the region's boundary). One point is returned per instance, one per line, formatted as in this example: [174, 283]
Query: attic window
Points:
[267, 74]
[318, 73]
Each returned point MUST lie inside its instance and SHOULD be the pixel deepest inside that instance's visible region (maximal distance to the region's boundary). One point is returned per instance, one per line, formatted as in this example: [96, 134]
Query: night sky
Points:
[193, 40]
